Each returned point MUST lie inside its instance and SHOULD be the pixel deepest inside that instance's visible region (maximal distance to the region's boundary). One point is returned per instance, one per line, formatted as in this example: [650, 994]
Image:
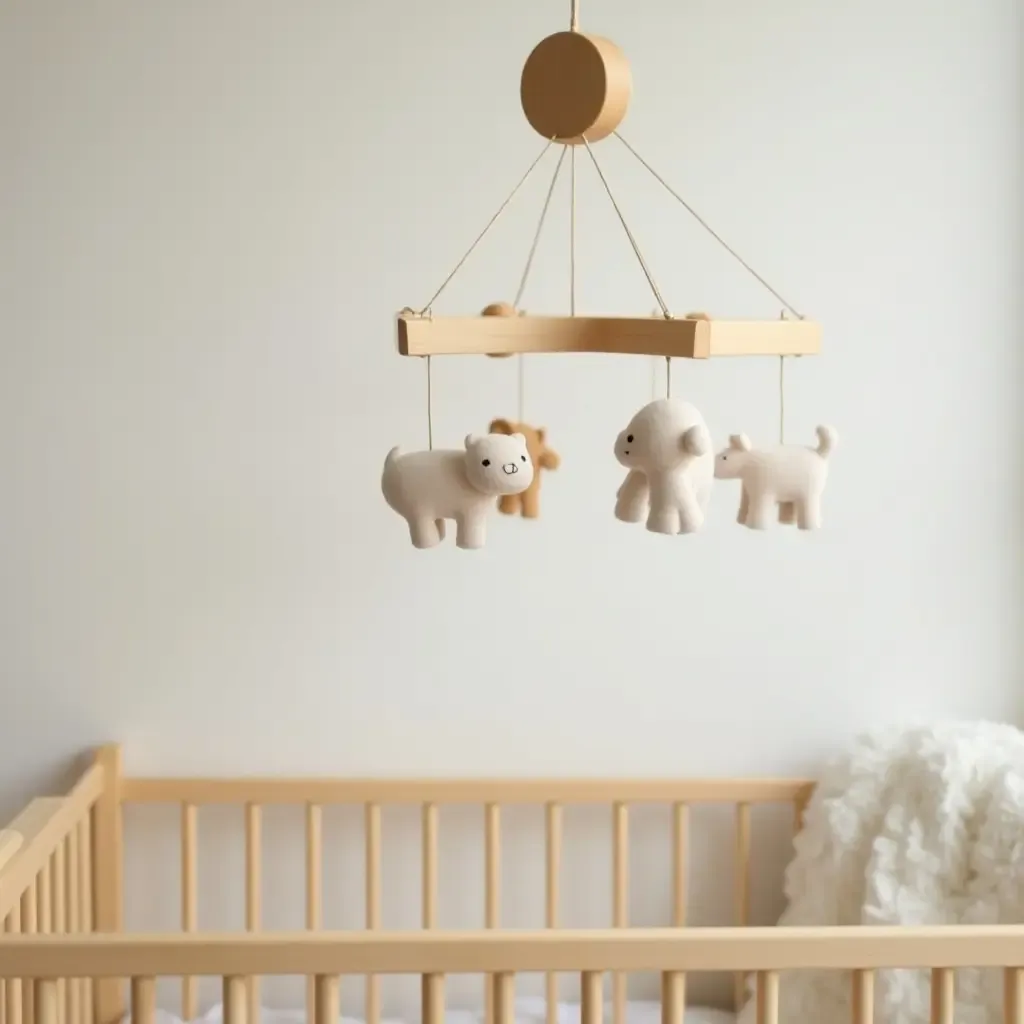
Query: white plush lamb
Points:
[428, 487]
[789, 476]
[667, 450]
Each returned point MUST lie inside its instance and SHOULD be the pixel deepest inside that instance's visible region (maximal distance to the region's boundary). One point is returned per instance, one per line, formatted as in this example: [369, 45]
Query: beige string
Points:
[430, 411]
[668, 376]
[782, 399]
[707, 227]
[572, 233]
[490, 224]
[574, 15]
[629, 234]
[529, 264]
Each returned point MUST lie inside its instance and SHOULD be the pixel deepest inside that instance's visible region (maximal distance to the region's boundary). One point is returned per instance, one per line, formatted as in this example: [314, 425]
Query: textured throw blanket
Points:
[910, 827]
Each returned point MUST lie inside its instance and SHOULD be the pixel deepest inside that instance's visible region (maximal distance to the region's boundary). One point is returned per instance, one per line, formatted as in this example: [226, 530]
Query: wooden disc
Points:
[573, 85]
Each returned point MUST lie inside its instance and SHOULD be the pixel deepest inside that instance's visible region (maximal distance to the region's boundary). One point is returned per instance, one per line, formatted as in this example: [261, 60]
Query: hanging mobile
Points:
[575, 90]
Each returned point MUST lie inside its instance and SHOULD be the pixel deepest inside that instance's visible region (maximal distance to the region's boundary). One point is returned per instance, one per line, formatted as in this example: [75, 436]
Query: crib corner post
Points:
[107, 878]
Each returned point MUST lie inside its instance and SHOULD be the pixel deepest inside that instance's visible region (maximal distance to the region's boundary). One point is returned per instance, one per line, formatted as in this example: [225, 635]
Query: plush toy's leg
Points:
[631, 498]
[530, 501]
[741, 516]
[691, 516]
[471, 530]
[508, 504]
[759, 511]
[787, 512]
[426, 533]
[664, 519]
[808, 513]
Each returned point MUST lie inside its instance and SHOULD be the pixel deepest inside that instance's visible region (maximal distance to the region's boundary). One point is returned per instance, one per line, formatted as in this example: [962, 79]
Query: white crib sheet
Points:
[529, 1010]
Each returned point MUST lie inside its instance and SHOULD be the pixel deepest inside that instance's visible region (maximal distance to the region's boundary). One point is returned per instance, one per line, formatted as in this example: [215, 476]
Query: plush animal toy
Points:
[667, 450]
[789, 476]
[426, 488]
[527, 503]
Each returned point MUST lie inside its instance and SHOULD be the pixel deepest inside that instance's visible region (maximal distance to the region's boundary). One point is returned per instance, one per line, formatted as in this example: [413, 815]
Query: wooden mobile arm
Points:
[686, 338]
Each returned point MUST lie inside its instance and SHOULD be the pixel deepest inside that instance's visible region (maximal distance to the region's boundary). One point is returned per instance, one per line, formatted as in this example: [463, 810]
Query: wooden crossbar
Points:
[686, 338]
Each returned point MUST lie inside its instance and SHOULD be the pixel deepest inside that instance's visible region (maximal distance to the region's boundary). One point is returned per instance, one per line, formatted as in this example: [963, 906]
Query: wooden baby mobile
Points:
[575, 89]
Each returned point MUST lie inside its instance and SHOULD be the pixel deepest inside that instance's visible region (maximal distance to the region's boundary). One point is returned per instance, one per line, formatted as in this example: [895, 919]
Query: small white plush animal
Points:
[426, 488]
[790, 476]
[667, 450]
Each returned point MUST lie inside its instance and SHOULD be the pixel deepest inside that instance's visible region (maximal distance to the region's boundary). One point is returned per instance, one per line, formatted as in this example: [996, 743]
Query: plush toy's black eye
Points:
[487, 462]
[629, 439]
[523, 457]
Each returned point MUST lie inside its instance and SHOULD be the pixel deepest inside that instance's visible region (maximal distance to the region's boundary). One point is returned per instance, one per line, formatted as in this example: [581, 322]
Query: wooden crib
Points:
[65, 958]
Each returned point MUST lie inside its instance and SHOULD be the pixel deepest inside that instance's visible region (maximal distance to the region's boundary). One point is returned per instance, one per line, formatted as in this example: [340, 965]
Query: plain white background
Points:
[209, 215]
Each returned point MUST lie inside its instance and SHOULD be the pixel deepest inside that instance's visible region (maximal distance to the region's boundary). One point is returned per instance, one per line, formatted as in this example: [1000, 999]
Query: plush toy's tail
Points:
[826, 441]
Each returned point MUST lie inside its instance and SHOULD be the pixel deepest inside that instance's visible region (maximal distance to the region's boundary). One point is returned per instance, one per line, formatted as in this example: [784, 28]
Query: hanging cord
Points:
[572, 232]
[529, 265]
[574, 15]
[782, 399]
[540, 228]
[430, 410]
[629, 234]
[490, 224]
[668, 376]
[707, 227]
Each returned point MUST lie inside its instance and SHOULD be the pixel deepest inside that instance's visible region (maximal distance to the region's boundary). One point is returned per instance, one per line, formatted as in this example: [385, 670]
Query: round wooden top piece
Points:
[573, 85]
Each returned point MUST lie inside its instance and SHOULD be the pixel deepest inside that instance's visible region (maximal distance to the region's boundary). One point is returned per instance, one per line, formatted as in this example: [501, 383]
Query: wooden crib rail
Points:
[460, 791]
[48, 960]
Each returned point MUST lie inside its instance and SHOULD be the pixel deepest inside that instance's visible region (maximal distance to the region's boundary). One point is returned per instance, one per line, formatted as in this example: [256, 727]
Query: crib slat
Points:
[942, 995]
[29, 907]
[680, 821]
[742, 887]
[46, 1000]
[74, 1006]
[235, 996]
[673, 997]
[1013, 995]
[253, 894]
[767, 997]
[13, 994]
[430, 865]
[189, 898]
[85, 892]
[863, 983]
[591, 998]
[314, 888]
[552, 873]
[58, 867]
[504, 998]
[143, 1000]
[44, 901]
[372, 830]
[620, 899]
[327, 1001]
[492, 886]
[432, 999]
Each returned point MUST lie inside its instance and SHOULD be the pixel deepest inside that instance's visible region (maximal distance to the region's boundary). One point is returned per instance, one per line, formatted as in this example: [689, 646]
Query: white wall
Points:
[210, 214]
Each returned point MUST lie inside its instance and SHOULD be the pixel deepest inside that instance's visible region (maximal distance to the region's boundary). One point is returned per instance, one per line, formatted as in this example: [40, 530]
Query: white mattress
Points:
[528, 1011]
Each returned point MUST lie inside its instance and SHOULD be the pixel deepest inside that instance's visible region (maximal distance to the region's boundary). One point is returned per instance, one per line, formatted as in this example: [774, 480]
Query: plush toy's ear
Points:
[740, 442]
[695, 441]
[472, 439]
[501, 426]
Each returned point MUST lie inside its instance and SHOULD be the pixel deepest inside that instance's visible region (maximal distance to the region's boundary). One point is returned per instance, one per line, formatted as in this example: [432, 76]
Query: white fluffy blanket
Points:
[911, 827]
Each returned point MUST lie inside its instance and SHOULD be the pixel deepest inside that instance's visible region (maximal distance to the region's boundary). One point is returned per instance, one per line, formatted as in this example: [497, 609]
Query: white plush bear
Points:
[426, 488]
[667, 450]
[790, 476]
